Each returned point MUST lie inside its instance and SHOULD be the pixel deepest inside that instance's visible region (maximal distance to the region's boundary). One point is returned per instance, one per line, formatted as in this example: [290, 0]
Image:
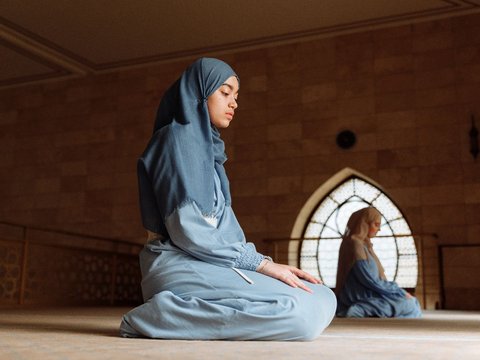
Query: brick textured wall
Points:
[461, 284]
[68, 149]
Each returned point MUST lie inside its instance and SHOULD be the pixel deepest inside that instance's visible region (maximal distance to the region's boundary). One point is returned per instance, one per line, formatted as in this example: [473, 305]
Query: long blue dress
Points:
[192, 289]
[365, 294]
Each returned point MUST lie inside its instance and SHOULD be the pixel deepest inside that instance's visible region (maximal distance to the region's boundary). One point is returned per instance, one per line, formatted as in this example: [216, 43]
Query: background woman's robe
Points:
[365, 294]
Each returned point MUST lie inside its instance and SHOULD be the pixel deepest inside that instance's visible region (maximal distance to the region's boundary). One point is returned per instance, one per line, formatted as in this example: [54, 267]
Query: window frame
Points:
[385, 222]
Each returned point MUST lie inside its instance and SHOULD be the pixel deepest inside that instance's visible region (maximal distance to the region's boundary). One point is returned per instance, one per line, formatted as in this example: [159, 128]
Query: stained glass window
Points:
[394, 243]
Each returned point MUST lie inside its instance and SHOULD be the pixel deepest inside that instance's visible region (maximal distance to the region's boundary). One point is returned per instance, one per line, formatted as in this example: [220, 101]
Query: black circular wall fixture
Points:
[346, 139]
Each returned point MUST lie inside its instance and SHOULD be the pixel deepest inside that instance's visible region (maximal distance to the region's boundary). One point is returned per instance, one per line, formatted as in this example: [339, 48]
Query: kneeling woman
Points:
[200, 278]
[362, 289]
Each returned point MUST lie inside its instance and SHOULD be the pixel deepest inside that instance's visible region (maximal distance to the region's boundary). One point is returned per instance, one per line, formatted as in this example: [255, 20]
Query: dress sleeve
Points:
[365, 276]
[192, 233]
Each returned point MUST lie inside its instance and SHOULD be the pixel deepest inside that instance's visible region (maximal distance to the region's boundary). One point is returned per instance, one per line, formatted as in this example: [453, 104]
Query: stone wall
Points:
[68, 149]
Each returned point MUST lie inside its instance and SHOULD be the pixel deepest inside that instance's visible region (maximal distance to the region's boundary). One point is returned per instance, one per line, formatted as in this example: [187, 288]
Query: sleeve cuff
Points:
[250, 259]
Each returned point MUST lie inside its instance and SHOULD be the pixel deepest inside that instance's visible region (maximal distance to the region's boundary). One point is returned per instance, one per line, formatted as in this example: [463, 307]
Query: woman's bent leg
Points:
[287, 317]
[190, 299]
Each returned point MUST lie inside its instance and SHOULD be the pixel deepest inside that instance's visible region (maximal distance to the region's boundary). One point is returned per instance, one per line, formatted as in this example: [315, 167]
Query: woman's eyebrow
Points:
[230, 86]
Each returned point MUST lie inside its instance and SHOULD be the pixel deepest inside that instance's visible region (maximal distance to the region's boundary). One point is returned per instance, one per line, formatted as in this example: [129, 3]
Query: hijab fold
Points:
[179, 162]
[355, 245]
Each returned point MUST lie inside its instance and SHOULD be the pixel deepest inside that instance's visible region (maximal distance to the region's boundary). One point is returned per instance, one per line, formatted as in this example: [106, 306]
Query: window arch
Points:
[394, 243]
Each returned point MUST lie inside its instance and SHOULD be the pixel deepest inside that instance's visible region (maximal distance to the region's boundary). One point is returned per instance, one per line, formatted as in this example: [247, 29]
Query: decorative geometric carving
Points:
[67, 276]
[127, 281]
[10, 269]
[61, 273]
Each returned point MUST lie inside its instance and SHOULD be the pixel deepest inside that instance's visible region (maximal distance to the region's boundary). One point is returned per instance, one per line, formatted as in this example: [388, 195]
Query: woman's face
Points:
[374, 227]
[223, 102]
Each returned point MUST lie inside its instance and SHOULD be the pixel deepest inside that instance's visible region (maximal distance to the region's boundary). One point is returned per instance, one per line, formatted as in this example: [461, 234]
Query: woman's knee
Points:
[355, 311]
[314, 313]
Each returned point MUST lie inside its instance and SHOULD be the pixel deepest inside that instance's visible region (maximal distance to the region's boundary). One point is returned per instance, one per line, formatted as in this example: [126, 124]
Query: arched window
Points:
[394, 243]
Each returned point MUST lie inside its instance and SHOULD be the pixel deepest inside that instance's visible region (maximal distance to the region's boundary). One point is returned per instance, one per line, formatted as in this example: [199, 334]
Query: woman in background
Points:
[200, 278]
[362, 289]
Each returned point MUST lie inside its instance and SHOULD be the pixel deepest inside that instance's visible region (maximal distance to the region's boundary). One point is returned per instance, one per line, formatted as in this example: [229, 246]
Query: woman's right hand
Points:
[290, 275]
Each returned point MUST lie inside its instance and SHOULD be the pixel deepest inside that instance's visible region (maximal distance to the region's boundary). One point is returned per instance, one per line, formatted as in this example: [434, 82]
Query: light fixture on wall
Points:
[473, 133]
[346, 139]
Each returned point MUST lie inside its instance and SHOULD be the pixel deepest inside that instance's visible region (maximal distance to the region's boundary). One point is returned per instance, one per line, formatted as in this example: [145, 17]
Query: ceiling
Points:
[52, 39]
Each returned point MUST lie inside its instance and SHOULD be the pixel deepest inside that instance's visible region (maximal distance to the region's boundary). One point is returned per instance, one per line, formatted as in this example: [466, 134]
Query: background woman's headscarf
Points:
[179, 162]
[354, 242]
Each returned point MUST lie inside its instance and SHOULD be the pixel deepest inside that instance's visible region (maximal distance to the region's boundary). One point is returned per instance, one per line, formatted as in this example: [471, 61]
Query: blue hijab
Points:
[180, 160]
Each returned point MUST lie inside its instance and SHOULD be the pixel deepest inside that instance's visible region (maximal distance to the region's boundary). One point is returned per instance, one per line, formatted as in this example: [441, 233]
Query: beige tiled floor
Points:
[91, 333]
